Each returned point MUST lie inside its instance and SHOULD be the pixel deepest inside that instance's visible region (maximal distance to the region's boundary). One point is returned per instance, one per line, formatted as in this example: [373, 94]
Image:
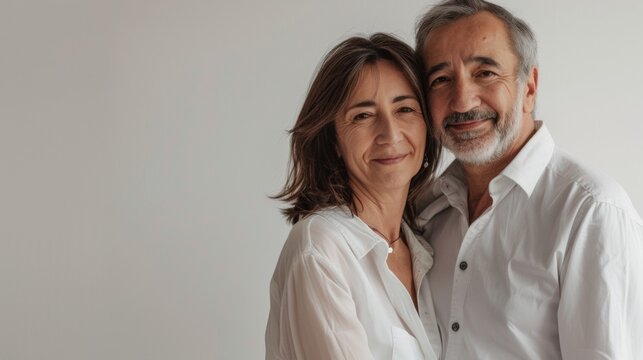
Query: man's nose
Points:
[465, 96]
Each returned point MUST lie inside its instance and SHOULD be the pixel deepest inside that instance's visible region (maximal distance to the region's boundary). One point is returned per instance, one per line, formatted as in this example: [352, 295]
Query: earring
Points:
[426, 162]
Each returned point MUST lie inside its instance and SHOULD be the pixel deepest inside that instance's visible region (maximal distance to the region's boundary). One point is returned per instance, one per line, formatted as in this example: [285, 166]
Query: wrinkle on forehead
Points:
[471, 36]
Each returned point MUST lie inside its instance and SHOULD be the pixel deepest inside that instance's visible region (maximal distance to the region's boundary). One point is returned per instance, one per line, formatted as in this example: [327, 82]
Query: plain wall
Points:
[139, 141]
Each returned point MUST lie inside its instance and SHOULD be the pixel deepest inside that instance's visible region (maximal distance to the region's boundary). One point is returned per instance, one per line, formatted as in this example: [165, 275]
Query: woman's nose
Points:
[389, 130]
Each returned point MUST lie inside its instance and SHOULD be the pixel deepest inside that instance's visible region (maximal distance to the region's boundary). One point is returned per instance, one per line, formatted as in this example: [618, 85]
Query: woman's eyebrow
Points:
[403, 97]
[365, 103]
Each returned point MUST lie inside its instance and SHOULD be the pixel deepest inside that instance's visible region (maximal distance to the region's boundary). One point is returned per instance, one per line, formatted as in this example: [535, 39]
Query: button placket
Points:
[455, 326]
[461, 280]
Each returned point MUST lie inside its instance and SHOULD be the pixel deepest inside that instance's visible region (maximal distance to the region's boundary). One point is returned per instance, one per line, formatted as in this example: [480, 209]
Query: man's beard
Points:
[477, 148]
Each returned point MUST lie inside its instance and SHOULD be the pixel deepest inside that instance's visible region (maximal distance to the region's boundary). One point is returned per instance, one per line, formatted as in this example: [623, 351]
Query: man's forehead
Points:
[478, 35]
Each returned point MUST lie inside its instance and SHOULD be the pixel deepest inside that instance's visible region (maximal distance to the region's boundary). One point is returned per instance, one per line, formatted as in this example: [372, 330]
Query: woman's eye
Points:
[361, 116]
[406, 109]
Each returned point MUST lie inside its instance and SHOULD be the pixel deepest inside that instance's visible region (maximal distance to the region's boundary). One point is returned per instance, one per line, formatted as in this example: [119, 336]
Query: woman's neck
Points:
[381, 210]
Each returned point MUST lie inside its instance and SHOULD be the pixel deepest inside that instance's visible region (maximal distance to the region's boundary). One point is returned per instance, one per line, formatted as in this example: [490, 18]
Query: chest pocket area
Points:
[405, 346]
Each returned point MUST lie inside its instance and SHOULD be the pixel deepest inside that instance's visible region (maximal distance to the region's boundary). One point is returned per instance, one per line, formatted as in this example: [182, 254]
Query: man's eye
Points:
[439, 81]
[486, 74]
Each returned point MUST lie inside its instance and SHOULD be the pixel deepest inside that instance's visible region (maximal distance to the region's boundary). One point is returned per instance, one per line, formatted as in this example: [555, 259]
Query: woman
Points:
[351, 279]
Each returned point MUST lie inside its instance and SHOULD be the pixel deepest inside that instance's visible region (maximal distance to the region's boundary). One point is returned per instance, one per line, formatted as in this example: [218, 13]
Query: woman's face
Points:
[381, 132]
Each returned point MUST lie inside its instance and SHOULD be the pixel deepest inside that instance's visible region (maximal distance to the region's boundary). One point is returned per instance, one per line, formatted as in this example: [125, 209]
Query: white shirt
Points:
[332, 295]
[552, 270]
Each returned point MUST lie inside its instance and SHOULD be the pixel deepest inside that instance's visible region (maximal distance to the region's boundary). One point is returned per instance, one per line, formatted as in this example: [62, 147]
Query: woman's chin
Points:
[391, 182]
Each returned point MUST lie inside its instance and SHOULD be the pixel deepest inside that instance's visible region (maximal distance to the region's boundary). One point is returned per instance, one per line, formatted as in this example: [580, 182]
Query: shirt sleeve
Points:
[318, 316]
[600, 314]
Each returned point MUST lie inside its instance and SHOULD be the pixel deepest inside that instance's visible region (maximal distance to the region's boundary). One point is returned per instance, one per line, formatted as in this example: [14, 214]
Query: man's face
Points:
[474, 93]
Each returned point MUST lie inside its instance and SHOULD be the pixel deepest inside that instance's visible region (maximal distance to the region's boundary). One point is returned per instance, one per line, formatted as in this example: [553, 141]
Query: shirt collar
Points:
[528, 165]
[360, 237]
[365, 240]
[439, 195]
[525, 169]
[421, 255]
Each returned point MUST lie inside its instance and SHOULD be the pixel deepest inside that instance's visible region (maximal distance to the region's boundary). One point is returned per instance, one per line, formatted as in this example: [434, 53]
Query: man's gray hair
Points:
[521, 36]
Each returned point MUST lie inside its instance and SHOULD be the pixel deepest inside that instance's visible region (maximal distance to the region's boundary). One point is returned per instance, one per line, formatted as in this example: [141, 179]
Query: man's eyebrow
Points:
[436, 68]
[484, 60]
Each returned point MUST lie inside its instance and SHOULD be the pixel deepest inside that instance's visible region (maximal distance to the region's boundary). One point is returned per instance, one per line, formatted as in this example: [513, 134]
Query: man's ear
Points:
[531, 87]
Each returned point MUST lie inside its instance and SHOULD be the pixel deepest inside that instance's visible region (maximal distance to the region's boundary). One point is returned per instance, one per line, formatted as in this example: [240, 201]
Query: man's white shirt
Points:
[553, 269]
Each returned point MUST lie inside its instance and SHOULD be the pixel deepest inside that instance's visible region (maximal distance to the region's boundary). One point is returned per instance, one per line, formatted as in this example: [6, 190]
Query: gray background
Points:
[139, 141]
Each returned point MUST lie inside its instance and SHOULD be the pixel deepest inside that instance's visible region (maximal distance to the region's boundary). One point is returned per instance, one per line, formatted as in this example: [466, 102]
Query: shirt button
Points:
[464, 265]
[455, 326]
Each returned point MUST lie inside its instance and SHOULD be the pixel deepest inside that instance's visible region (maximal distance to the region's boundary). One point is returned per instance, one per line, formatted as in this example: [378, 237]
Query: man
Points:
[536, 257]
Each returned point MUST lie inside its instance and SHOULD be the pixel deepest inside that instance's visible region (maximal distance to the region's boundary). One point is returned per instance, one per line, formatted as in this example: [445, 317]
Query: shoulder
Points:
[321, 229]
[589, 188]
[320, 238]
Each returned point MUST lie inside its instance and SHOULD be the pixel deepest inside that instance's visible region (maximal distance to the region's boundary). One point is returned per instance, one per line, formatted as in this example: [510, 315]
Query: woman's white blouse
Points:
[332, 295]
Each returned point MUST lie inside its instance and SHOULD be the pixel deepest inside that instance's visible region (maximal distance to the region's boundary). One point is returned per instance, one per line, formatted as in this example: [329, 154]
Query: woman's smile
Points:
[390, 160]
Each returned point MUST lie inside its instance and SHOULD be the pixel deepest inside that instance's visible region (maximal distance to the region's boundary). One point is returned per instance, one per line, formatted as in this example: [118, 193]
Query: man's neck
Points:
[479, 176]
[478, 179]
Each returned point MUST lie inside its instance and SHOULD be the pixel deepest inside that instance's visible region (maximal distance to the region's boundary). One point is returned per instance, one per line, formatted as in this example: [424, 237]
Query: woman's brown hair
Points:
[318, 177]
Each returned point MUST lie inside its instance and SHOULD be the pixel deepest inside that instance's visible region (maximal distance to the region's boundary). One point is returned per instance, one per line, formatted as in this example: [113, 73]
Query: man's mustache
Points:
[471, 115]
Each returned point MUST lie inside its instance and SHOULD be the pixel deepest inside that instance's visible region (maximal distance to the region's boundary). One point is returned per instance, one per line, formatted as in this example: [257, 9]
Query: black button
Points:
[464, 265]
[455, 326]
